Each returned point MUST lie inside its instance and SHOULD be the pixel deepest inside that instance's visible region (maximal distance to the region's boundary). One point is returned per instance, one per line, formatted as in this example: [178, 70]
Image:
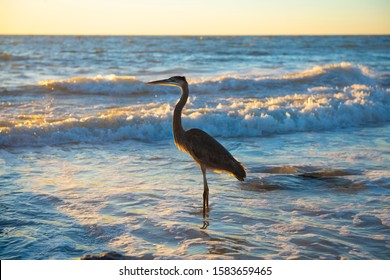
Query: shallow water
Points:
[88, 163]
[144, 200]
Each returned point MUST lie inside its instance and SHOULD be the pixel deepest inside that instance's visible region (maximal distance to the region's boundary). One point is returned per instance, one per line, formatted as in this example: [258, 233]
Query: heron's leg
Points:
[205, 191]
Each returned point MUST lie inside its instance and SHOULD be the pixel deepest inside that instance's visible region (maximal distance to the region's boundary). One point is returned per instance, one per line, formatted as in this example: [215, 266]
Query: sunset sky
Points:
[194, 17]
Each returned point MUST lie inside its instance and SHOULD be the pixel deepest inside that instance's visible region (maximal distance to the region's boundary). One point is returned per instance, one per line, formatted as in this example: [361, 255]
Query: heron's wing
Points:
[209, 152]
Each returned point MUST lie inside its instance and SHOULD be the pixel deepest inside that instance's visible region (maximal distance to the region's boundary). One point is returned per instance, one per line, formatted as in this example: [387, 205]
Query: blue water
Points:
[88, 164]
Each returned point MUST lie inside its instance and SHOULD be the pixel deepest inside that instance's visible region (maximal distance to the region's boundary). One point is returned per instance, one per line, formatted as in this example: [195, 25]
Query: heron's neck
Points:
[178, 130]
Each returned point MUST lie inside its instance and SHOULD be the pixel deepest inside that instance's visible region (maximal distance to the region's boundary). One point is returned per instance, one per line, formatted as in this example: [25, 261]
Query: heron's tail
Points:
[239, 171]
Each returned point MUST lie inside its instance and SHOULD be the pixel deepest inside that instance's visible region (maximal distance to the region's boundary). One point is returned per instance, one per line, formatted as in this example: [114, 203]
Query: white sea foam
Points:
[326, 105]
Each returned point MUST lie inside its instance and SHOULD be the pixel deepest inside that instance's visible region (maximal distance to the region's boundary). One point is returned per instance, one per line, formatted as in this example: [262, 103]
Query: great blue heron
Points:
[204, 149]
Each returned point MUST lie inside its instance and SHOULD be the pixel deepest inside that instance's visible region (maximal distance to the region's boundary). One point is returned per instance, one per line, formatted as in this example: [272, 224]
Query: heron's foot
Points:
[205, 219]
[205, 225]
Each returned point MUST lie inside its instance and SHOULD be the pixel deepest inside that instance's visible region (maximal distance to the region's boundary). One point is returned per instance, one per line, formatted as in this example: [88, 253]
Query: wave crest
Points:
[109, 84]
[340, 75]
[351, 106]
[333, 75]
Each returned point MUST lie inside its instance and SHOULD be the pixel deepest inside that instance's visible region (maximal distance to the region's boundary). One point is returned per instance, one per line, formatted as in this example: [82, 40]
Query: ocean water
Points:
[88, 164]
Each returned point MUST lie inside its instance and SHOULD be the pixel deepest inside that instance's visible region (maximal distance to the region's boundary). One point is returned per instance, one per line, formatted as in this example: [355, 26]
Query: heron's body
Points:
[207, 152]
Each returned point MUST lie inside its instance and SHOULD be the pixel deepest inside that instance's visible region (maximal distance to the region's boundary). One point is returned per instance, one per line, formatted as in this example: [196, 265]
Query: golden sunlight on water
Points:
[88, 164]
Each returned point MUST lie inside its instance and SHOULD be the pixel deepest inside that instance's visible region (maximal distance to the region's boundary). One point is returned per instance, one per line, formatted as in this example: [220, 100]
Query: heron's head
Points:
[176, 81]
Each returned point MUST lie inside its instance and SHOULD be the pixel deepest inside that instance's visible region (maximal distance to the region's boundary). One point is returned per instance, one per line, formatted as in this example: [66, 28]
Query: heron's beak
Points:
[166, 82]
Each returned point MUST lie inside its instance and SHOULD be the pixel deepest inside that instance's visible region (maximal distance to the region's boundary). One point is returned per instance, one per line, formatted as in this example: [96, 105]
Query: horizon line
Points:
[198, 35]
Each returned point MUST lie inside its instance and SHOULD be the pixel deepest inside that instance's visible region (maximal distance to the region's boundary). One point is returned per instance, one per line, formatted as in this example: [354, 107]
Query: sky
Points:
[194, 17]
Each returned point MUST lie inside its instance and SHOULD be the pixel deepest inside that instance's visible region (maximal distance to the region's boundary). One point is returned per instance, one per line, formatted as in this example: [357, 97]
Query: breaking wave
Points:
[109, 84]
[327, 97]
[339, 75]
